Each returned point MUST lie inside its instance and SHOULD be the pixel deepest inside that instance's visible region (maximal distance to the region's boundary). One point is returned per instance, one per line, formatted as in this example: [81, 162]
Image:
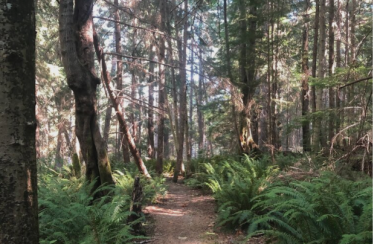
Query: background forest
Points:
[267, 104]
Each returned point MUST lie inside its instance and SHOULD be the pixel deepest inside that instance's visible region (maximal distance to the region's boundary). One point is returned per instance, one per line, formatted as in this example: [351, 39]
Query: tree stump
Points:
[136, 206]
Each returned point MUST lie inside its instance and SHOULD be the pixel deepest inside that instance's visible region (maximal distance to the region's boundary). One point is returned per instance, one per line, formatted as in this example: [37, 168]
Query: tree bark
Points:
[151, 151]
[119, 78]
[161, 93]
[338, 65]
[77, 56]
[315, 54]
[318, 138]
[332, 117]
[305, 98]
[182, 110]
[18, 170]
[247, 145]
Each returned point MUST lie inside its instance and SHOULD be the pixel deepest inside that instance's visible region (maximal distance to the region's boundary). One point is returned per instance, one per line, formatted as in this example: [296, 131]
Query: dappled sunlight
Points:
[164, 211]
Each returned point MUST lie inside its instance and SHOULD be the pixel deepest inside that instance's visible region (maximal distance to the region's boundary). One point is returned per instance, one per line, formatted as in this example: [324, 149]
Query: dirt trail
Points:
[185, 216]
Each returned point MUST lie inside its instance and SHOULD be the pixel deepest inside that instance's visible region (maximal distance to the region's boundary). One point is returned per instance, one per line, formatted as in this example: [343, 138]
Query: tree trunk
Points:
[318, 138]
[199, 106]
[182, 113]
[229, 72]
[151, 151]
[119, 79]
[305, 98]
[338, 65]
[18, 170]
[332, 117]
[245, 133]
[315, 53]
[353, 31]
[77, 56]
[107, 124]
[119, 114]
[161, 93]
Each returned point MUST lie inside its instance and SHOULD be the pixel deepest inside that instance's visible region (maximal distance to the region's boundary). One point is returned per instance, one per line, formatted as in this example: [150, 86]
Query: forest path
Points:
[186, 216]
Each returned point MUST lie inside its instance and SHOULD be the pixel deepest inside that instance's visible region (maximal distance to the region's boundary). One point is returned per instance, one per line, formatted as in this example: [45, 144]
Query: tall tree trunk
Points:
[353, 31]
[161, 92]
[133, 82]
[318, 138]
[182, 104]
[199, 106]
[18, 170]
[190, 120]
[174, 126]
[119, 78]
[229, 72]
[305, 98]
[151, 151]
[332, 117]
[77, 56]
[338, 65]
[315, 54]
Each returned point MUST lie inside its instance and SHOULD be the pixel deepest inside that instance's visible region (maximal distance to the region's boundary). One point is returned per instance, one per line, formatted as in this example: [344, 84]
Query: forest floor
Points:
[187, 216]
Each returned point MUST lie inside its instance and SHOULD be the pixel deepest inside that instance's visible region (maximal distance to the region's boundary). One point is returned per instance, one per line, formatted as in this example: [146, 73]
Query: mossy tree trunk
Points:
[18, 171]
[76, 38]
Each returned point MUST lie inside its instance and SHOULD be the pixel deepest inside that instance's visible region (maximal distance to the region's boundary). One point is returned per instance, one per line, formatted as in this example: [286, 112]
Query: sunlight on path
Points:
[183, 216]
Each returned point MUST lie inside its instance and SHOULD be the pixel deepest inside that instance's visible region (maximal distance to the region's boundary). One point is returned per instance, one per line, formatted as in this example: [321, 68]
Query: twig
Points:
[339, 133]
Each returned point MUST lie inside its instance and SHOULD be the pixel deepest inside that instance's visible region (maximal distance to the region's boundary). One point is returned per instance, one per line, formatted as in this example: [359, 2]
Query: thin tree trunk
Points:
[332, 118]
[314, 62]
[119, 79]
[338, 65]
[190, 127]
[161, 93]
[199, 106]
[353, 31]
[119, 114]
[151, 152]
[305, 98]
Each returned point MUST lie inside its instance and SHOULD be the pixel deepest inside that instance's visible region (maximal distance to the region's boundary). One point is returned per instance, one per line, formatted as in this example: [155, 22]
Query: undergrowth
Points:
[68, 213]
[250, 196]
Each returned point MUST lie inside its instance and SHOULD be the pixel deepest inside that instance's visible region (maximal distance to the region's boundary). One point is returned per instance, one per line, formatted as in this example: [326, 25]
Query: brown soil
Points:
[187, 216]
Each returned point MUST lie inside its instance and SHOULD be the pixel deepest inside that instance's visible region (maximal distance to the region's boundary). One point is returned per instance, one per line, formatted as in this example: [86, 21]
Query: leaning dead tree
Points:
[119, 114]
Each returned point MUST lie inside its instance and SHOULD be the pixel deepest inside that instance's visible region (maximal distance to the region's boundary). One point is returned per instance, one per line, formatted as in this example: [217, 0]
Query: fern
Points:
[69, 215]
[325, 210]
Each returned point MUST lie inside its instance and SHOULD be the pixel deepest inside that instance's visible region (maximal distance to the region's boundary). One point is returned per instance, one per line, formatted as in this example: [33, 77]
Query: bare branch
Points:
[354, 82]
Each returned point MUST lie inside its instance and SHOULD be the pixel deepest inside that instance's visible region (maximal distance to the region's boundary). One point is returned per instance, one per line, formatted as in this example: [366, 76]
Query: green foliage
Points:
[328, 209]
[69, 214]
[234, 182]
